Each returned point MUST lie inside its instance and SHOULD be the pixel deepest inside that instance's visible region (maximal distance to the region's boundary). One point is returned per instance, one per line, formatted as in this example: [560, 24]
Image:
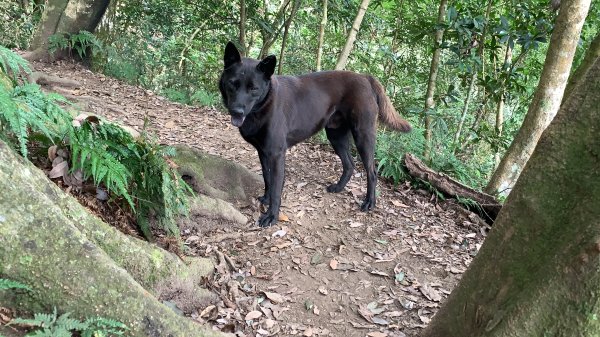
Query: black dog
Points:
[274, 113]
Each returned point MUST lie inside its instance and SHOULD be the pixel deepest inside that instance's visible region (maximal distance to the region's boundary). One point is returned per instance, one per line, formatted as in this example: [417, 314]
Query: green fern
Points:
[57, 42]
[52, 325]
[12, 64]
[26, 109]
[101, 158]
[100, 327]
[80, 42]
[10, 284]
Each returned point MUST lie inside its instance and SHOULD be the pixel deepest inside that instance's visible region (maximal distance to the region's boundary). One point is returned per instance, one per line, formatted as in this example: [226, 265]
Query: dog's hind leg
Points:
[339, 138]
[364, 137]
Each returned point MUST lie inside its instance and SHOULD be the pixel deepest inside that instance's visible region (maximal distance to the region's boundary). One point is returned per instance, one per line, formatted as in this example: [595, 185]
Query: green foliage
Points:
[205, 98]
[135, 169]
[100, 151]
[80, 42]
[10, 284]
[153, 45]
[52, 325]
[24, 109]
[12, 64]
[18, 20]
[391, 147]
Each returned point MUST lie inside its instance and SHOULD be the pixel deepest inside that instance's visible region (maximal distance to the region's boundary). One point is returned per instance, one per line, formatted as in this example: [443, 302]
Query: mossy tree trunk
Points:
[591, 55]
[547, 97]
[78, 264]
[65, 17]
[538, 272]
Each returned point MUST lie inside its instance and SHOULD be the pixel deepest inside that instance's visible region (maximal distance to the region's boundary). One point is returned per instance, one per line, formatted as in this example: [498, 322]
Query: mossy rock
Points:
[218, 178]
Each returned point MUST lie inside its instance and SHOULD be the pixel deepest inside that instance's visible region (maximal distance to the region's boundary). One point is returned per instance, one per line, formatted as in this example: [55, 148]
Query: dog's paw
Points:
[266, 220]
[335, 188]
[367, 205]
[265, 200]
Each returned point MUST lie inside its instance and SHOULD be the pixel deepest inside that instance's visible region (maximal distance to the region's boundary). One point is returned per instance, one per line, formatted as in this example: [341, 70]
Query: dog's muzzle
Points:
[237, 117]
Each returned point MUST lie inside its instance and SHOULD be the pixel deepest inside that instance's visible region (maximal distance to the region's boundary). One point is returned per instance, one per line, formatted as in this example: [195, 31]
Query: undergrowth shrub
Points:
[81, 42]
[169, 66]
[391, 147]
[135, 169]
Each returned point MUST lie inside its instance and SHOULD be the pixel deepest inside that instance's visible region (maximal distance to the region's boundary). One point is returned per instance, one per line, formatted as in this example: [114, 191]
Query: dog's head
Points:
[244, 82]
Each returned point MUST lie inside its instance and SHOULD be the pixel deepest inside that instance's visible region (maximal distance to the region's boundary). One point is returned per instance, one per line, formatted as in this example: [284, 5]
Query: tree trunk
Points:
[321, 35]
[538, 272]
[78, 264]
[465, 109]
[242, 37]
[65, 17]
[286, 29]
[547, 97]
[591, 55]
[433, 70]
[500, 106]
[343, 58]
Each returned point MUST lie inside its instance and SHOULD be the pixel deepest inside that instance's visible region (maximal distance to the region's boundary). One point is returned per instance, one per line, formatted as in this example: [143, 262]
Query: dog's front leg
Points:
[266, 198]
[275, 163]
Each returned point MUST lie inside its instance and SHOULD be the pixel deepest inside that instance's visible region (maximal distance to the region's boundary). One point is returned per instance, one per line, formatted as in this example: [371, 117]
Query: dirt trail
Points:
[330, 270]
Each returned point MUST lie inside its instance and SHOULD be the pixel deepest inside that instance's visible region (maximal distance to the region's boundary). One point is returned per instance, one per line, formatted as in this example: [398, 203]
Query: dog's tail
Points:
[387, 113]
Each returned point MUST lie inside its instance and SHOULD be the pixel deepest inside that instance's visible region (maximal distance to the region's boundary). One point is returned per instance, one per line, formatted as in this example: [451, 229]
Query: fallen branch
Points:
[489, 206]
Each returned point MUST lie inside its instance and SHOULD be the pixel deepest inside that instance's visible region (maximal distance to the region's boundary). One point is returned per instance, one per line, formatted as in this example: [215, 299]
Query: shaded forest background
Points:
[491, 57]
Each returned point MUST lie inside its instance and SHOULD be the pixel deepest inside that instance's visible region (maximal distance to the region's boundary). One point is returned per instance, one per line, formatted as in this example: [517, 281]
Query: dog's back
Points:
[317, 99]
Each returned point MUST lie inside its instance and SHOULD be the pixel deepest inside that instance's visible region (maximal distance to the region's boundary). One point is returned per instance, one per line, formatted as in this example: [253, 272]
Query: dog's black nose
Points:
[236, 111]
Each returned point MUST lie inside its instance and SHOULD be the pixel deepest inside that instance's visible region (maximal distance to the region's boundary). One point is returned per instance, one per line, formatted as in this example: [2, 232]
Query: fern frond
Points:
[11, 63]
[10, 284]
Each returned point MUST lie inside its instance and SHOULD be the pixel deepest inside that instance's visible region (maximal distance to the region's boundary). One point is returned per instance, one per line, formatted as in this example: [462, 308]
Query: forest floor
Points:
[328, 269]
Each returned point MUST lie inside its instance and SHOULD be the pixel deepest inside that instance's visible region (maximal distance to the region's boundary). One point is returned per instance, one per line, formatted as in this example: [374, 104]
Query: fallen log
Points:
[489, 206]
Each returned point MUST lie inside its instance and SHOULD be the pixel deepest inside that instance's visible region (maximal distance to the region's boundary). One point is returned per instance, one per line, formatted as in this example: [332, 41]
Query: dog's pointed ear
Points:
[232, 55]
[267, 65]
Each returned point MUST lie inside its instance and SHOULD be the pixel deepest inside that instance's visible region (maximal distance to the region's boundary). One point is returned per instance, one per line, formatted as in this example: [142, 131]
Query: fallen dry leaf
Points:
[269, 323]
[399, 204]
[333, 264]
[59, 170]
[52, 152]
[430, 293]
[275, 297]
[377, 334]
[355, 224]
[253, 315]
[207, 310]
[283, 217]
[365, 313]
